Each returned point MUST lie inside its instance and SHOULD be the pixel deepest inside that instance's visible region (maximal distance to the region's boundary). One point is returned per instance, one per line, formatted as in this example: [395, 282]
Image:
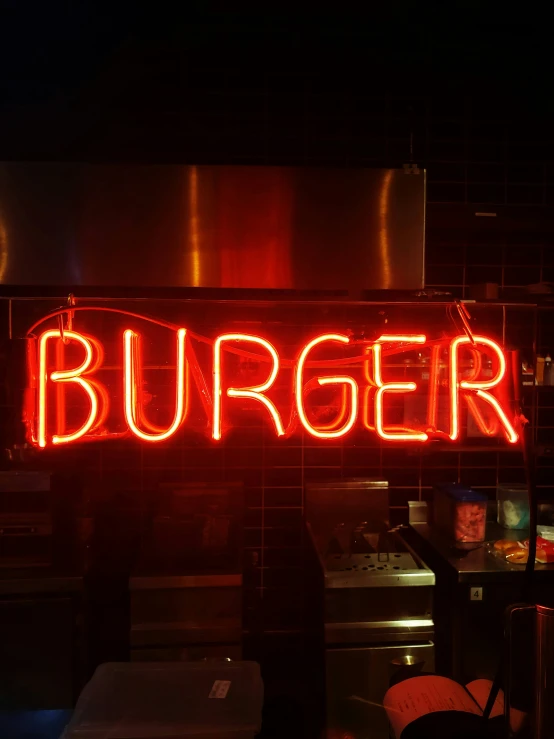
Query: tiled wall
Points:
[125, 475]
[327, 94]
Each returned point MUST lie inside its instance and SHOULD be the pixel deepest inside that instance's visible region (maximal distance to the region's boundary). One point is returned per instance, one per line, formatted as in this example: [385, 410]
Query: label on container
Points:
[220, 689]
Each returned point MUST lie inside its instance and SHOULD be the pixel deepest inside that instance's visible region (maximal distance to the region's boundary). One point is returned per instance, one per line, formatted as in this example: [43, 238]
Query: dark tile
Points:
[155, 456]
[252, 577]
[526, 194]
[285, 517]
[509, 458]
[446, 172]
[444, 275]
[548, 253]
[511, 474]
[446, 151]
[545, 436]
[481, 172]
[117, 455]
[395, 457]
[523, 253]
[546, 495]
[483, 253]
[283, 457]
[361, 457]
[548, 274]
[253, 497]
[435, 476]
[398, 516]
[283, 537]
[525, 173]
[516, 276]
[546, 417]
[401, 477]
[445, 193]
[490, 193]
[443, 253]
[427, 494]
[253, 518]
[478, 274]
[401, 496]
[322, 456]
[282, 496]
[545, 476]
[439, 459]
[478, 459]
[283, 477]
[249, 476]
[210, 457]
[478, 477]
[242, 457]
[282, 608]
[281, 557]
[253, 537]
[283, 577]
[132, 479]
[318, 474]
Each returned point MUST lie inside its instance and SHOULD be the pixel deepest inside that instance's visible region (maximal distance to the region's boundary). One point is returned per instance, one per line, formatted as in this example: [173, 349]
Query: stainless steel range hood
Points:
[332, 230]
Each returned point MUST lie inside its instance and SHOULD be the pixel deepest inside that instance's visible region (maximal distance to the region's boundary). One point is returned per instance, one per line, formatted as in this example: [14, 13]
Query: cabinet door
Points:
[36, 653]
[357, 680]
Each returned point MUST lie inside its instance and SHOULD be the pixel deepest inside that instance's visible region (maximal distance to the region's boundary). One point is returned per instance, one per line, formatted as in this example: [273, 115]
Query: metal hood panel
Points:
[211, 227]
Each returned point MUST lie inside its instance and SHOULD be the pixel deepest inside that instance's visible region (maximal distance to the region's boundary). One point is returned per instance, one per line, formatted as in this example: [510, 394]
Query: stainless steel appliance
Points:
[186, 588]
[25, 519]
[374, 597]
[332, 230]
[529, 671]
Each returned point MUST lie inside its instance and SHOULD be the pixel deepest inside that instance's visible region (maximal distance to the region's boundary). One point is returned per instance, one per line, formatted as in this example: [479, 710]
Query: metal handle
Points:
[508, 633]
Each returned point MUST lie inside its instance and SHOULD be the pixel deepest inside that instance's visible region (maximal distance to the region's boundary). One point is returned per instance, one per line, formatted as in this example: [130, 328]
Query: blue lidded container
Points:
[460, 511]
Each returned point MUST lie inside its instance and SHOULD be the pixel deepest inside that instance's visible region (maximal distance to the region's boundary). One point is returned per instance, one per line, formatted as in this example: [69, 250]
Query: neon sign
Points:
[368, 385]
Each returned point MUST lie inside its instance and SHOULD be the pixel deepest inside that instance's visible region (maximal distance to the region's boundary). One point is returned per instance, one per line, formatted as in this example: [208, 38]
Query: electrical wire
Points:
[390, 351]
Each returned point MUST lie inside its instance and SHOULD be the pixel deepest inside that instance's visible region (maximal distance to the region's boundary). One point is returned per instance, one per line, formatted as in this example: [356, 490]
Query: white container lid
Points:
[165, 700]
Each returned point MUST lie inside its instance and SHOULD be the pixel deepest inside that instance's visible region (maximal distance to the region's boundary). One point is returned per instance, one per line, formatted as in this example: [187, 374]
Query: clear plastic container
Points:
[460, 512]
[512, 506]
[166, 700]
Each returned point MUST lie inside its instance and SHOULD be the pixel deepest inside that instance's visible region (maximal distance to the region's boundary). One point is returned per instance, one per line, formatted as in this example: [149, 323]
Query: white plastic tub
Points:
[165, 700]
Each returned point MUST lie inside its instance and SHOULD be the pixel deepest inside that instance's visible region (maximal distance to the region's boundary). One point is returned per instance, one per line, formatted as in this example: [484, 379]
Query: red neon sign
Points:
[132, 388]
[327, 433]
[255, 393]
[478, 387]
[393, 387]
[371, 394]
[96, 397]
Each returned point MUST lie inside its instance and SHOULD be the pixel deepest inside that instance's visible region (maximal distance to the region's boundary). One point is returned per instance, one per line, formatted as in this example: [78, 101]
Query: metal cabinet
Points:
[39, 663]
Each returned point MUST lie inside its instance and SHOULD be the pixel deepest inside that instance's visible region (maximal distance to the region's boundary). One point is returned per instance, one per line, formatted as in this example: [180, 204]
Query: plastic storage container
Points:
[155, 700]
[460, 512]
[513, 506]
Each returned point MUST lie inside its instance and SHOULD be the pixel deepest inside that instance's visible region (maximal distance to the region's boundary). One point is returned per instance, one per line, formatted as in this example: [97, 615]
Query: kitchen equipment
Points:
[371, 595]
[25, 519]
[244, 218]
[474, 588]
[530, 697]
[460, 512]
[186, 587]
[43, 629]
[196, 527]
[218, 700]
[513, 506]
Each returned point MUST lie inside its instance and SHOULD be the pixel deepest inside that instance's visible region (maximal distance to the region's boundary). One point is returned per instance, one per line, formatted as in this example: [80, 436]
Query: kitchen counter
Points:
[474, 588]
[475, 565]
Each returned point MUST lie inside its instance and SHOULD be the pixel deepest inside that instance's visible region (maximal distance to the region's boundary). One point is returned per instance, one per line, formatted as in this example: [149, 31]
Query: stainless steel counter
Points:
[476, 565]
